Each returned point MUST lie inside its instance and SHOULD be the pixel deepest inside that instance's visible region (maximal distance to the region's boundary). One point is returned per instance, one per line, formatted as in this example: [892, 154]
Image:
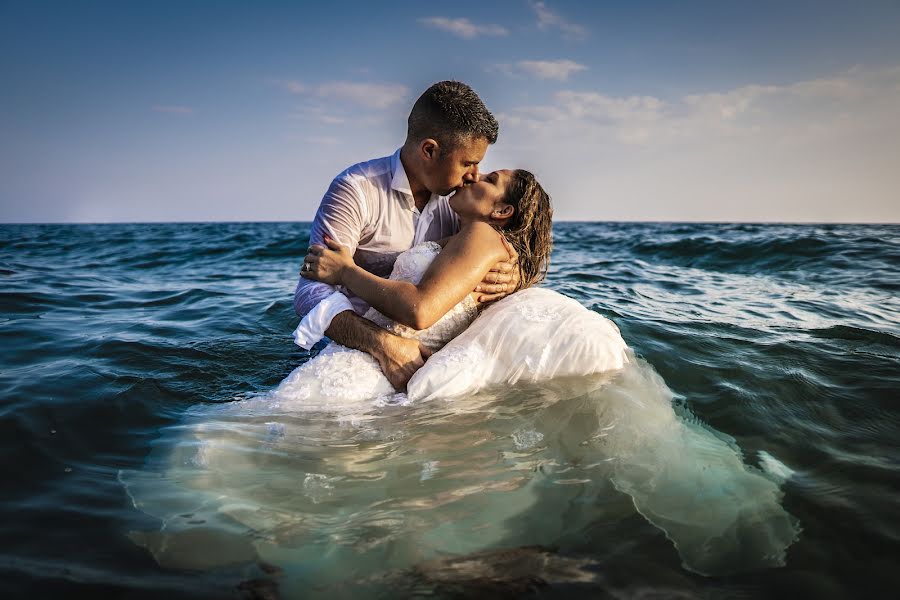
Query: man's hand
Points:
[400, 358]
[502, 279]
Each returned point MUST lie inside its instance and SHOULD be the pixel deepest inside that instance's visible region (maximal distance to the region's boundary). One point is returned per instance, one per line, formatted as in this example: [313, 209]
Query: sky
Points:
[126, 111]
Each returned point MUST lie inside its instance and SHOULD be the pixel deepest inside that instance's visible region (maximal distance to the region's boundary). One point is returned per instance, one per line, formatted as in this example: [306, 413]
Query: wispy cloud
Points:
[319, 113]
[630, 120]
[864, 100]
[373, 95]
[295, 87]
[558, 70]
[548, 19]
[463, 27]
[820, 149]
[172, 109]
[367, 95]
[320, 140]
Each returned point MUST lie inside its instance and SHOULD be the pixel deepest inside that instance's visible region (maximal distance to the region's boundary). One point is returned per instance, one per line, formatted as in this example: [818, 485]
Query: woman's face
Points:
[481, 199]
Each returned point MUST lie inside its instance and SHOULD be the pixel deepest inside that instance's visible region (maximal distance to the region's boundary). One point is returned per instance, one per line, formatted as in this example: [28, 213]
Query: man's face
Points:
[457, 167]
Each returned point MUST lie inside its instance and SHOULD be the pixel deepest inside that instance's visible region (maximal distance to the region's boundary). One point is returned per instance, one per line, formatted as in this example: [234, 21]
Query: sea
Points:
[780, 341]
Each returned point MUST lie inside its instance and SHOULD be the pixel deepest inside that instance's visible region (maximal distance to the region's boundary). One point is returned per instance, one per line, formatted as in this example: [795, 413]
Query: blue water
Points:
[783, 338]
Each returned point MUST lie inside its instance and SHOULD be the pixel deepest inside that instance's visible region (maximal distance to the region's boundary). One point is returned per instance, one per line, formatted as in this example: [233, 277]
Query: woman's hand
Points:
[327, 264]
[502, 279]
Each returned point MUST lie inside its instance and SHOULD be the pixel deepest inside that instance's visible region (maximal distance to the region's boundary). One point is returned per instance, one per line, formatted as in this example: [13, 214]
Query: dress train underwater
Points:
[539, 400]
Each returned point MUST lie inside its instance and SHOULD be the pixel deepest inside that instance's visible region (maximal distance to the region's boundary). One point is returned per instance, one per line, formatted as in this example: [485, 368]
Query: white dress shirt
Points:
[370, 208]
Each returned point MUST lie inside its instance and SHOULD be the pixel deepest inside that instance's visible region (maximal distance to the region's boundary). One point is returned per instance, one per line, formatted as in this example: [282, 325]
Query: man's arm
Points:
[328, 312]
[340, 216]
[398, 357]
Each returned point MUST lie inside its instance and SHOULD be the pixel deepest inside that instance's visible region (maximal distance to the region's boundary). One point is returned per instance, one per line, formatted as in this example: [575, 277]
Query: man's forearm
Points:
[349, 329]
[399, 358]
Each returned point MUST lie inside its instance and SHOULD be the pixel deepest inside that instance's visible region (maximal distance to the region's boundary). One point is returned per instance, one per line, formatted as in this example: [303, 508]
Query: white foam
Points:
[774, 468]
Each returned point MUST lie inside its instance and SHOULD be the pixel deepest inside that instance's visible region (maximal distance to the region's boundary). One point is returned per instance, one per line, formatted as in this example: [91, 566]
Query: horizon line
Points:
[624, 221]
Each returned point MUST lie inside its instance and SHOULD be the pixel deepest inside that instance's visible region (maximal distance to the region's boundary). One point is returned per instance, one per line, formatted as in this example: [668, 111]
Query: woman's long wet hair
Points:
[529, 230]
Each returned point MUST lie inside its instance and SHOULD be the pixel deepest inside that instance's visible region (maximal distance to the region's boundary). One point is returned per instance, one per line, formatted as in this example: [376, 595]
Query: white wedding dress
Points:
[497, 349]
[238, 464]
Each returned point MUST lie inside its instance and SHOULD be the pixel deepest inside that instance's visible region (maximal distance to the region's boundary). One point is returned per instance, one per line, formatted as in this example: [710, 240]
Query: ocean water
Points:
[778, 343]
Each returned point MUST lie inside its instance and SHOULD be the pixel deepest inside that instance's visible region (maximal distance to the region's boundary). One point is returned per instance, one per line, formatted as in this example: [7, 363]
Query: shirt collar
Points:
[399, 179]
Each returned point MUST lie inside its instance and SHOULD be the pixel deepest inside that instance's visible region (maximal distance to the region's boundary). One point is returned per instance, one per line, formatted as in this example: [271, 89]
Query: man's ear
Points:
[429, 149]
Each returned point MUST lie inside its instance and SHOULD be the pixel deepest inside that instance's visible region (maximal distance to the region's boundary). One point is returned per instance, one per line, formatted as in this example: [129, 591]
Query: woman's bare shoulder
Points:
[481, 236]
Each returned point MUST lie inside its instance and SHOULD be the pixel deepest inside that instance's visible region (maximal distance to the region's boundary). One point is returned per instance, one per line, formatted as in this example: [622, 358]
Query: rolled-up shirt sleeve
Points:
[342, 216]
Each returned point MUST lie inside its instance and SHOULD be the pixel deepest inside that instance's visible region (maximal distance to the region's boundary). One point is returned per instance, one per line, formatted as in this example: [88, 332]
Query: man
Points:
[385, 206]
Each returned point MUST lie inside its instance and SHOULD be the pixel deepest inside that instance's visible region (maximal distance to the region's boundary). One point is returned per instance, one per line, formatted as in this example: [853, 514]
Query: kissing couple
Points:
[407, 250]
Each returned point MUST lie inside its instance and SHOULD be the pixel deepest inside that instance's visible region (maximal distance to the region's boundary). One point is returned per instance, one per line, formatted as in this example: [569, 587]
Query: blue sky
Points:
[198, 111]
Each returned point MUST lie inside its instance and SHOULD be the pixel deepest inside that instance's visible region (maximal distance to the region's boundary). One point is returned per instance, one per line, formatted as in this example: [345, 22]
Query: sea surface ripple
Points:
[785, 338]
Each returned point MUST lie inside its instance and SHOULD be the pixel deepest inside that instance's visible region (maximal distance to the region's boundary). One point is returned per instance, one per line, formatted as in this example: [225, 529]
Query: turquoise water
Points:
[117, 339]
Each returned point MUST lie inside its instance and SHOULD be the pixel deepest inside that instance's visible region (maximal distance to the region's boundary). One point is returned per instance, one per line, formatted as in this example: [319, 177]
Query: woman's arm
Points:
[452, 275]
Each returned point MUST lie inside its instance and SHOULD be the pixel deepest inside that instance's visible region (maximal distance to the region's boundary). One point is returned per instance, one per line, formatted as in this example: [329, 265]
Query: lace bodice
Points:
[411, 266]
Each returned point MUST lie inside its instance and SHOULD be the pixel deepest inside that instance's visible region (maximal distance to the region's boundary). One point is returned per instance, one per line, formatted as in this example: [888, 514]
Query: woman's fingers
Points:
[310, 262]
[332, 244]
[493, 288]
[495, 283]
[513, 255]
[311, 259]
[496, 277]
[485, 298]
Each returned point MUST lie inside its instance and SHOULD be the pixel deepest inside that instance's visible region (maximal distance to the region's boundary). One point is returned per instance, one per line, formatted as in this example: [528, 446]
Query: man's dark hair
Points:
[451, 112]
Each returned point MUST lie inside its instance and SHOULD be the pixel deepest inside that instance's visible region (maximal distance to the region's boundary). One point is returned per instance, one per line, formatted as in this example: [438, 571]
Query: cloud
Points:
[321, 140]
[727, 106]
[172, 109]
[593, 106]
[548, 19]
[367, 95]
[820, 149]
[320, 114]
[854, 98]
[550, 69]
[462, 27]
[373, 95]
[295, 87]
[629, 120]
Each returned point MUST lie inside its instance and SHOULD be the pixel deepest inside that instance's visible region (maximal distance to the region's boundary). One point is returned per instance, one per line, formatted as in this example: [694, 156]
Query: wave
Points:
[857, 334]
[801, 366]
[762, 254]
